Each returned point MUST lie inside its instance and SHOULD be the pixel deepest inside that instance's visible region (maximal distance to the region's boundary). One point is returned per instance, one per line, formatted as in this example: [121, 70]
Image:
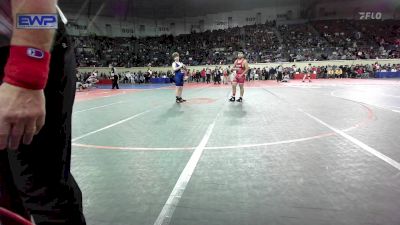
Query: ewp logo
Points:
[37, 21]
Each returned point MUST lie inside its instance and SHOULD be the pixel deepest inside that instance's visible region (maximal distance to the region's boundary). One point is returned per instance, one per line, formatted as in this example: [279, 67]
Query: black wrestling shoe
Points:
[240, 99]
[232, 99]
[180, 100]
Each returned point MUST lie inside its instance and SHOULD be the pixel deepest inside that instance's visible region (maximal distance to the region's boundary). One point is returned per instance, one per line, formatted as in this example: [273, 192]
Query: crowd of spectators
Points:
[314, 41]
[218, 75]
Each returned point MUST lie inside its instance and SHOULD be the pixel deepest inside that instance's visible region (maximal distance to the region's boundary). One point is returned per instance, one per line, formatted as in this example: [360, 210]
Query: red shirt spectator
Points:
[203, 73]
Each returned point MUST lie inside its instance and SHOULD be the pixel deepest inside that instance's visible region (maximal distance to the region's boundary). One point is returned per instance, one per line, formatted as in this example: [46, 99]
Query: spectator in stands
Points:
[280, 73]
[318, 40]
[208, 74]
[226, 75]
[308, 71]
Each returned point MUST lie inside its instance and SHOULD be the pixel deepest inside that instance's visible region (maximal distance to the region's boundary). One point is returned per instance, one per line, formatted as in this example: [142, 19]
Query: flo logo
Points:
[370, 15]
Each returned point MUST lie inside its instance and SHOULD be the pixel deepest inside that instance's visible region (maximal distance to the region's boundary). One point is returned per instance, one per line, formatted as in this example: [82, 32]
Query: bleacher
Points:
[314, 41]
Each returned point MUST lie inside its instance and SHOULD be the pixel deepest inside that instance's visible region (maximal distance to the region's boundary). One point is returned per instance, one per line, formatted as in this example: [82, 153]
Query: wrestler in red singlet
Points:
[240, 69]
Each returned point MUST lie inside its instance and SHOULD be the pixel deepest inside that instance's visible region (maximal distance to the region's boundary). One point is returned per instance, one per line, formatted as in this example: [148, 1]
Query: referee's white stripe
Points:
[357, 142]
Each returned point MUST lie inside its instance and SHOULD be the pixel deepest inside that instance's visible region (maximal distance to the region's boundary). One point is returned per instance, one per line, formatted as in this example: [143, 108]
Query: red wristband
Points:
[27, 67]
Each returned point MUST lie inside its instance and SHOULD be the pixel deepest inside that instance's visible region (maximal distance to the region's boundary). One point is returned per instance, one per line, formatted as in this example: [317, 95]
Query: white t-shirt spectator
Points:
[128, 75]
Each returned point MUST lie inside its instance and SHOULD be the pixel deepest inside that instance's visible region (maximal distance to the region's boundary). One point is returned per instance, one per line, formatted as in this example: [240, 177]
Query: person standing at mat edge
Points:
[115, 78]
[37, 76]
[241, 67]
[178, 67]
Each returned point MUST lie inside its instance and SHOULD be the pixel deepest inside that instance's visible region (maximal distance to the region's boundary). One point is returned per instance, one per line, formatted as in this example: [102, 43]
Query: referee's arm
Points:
[38, 38]
[22, 103]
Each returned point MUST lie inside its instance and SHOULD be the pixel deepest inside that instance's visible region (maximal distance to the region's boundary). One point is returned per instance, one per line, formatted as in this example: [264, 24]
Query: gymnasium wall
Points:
[389, 9]
[260, 65]
[139, 27]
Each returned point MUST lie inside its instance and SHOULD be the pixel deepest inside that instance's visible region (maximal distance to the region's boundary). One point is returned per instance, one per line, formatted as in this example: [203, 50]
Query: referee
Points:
[115, 78]
[36, 98]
